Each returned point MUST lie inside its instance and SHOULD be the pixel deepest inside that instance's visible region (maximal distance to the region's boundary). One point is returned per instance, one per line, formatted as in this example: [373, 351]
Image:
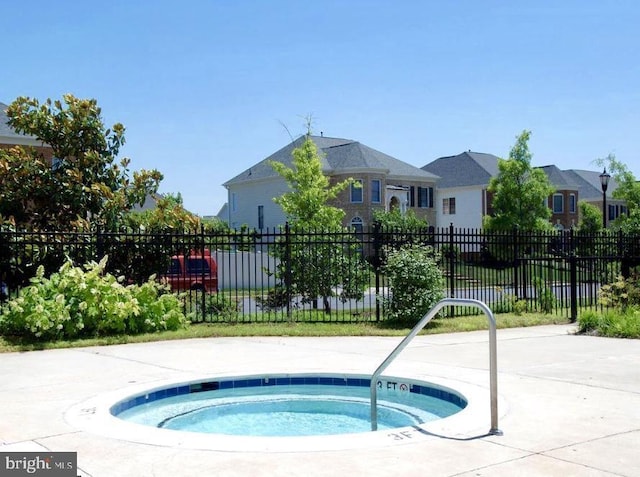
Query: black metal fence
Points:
[259, 272]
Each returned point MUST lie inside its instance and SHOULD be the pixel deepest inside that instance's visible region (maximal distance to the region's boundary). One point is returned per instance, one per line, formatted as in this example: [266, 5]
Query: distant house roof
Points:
[338, 156]
[466, 169]
[561, 180]
[588, 182]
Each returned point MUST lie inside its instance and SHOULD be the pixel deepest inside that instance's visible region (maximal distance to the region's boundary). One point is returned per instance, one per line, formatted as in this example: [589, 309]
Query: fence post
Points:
[287, 268]
[377, 261]
[452, 271]
[573, 277]
[99, 244]
[203, 300]
[516, 252]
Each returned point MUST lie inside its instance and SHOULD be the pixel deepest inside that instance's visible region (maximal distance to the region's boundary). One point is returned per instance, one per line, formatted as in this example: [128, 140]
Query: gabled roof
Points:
[588, 182]
[466, 169]
[338, 156]
[561, 180]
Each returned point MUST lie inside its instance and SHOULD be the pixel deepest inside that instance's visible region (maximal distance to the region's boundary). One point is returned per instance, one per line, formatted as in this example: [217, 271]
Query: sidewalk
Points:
[569, 405]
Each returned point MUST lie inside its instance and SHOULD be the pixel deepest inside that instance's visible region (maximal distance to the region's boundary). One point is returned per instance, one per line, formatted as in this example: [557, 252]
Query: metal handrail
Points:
[493, 360]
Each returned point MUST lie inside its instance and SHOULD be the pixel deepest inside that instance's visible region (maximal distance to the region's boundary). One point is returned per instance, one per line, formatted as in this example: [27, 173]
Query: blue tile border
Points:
[278, 380]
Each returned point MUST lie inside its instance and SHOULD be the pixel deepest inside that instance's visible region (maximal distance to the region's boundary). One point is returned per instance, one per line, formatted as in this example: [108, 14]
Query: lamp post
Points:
[604, 183]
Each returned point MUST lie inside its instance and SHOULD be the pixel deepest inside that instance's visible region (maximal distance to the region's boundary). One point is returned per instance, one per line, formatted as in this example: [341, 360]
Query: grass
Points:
[213, 330]
[613, 323]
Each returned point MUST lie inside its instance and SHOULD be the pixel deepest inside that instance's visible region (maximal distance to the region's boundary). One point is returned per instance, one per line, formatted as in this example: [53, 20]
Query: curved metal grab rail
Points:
[493, 360]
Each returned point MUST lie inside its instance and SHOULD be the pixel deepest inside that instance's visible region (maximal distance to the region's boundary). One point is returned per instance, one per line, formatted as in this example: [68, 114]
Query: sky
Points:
[206, 89]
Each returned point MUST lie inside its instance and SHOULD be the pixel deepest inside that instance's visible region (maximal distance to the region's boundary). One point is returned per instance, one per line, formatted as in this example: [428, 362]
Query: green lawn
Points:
[210, 330]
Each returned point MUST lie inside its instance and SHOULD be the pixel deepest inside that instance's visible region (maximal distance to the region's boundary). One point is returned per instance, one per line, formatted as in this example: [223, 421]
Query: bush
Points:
[622, 293]
[222, 306]
[84, 302]
[276, 299]
[613, 324]
[417, 283]
[544, 296]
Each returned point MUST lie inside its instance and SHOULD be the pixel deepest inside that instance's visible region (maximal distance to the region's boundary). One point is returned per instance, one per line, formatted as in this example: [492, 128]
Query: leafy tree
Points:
[519, 192]
[590, 218]
[168, 214]
[627, 189]
[306, 204]
[396, 219]
[313, 266]
[83, 184]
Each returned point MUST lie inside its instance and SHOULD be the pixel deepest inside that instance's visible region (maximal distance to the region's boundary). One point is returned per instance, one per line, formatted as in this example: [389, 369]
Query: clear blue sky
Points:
[205, 87]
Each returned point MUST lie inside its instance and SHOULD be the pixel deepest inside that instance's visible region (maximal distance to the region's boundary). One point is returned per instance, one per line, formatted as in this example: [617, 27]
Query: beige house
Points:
[385, 181]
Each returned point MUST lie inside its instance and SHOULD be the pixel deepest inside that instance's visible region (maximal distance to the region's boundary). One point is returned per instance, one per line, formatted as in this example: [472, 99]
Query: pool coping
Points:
[94, 416]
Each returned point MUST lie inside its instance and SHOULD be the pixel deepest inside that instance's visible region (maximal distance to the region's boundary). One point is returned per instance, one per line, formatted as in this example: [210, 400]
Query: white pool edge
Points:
[93, 416]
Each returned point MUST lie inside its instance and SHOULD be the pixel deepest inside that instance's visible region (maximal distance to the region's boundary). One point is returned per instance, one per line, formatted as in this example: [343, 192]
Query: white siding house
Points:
[462, 188]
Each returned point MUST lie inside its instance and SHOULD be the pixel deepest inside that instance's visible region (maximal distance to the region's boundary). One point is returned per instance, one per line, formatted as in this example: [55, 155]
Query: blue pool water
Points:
[288, 406]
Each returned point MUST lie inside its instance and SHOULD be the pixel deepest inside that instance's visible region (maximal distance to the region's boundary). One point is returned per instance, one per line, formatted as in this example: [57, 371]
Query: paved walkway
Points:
[569, 405]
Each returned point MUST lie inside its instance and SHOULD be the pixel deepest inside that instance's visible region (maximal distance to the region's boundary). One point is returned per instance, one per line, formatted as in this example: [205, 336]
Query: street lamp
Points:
[604, 183]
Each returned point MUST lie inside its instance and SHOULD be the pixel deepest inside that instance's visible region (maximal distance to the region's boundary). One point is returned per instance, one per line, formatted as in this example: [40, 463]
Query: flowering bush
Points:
[416, 281]
[79, 302]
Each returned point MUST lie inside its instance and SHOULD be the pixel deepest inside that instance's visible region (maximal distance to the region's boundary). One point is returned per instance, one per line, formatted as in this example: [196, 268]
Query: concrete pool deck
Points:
[569, 404]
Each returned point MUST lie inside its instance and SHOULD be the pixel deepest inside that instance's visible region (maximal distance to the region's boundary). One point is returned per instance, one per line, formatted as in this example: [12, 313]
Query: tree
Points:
[519, 192]
[168, 214]
[396, 219]
[313, 266]
[306, 204]
[627, 189]
[83, 184]
[590, 218]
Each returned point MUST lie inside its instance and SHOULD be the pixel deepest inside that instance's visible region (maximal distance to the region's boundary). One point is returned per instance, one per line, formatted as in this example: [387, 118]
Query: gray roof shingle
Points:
[338, 155]
[466, 169]
[588, 182]
[561, 180]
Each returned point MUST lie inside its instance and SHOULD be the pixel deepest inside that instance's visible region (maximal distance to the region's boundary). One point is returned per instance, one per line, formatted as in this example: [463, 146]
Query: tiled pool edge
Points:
[275, 380]
[94, 416]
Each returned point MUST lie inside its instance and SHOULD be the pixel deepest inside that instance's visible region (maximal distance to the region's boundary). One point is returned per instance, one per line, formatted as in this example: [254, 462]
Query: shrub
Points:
[222, 306]
[276, 299]
[544, 296]
[415, 279]
[78, 302]
[622, 293]
[614, 323]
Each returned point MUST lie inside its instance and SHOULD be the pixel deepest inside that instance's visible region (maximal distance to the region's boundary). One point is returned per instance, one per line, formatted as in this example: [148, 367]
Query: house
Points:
[464, 199]
[10, 138]
[564, 200]
[385, 181]
[590, 191]
[462, 193]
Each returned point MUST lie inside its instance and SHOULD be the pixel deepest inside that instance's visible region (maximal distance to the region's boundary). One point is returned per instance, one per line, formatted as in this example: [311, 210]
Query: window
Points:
[558, 203]
[233, 202]
[572, 203]
[375, 191]
[261, 216]
[425, 197]
[356, 191]
[357, 224]
[412, 196]
[449, 206]
[616, 211]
